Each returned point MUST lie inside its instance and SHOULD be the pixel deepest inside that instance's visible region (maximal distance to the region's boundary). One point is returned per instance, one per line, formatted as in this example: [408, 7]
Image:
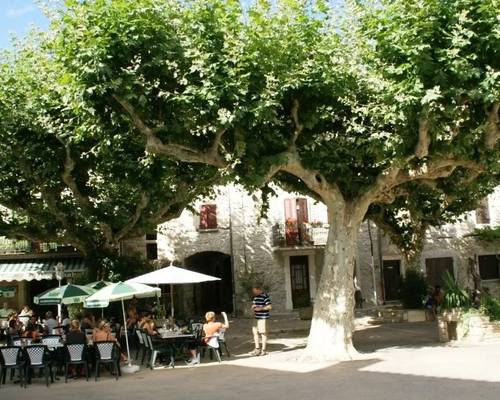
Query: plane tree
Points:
[348, 107]
[66, 181]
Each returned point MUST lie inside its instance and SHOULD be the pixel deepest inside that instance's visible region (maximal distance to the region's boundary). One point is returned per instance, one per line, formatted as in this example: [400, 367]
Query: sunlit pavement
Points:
[385, 369]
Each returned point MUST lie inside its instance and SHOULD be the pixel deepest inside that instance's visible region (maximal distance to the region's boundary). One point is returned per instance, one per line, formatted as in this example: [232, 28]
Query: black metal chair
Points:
[146, 355]
[157, 347]
[213, 347]
[11, 358]
[140, 345]
[51, 340]
[223, 343]
[107, 353]
[21, 341]
[75, 354]
[38, 358]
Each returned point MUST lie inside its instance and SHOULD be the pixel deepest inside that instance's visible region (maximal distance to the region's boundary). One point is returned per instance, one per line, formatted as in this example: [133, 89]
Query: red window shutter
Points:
[290, 210]
[208, 216]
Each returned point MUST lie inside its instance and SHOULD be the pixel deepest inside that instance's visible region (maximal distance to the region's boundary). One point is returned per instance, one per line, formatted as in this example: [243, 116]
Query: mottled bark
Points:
[332, 325]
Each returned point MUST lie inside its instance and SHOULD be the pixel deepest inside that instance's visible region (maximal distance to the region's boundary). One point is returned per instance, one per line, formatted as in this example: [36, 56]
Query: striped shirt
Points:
[261, 300]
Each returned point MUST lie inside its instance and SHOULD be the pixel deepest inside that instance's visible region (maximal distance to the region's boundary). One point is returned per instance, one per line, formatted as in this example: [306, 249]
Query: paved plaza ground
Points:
[396, 361]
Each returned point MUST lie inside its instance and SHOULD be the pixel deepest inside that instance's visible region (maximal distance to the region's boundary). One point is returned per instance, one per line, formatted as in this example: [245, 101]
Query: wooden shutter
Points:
[208, 216]
[302, 212]
[290, 210]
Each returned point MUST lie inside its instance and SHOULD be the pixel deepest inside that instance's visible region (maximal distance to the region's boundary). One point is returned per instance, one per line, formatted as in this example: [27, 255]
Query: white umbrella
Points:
[121, 291]
[173, 276]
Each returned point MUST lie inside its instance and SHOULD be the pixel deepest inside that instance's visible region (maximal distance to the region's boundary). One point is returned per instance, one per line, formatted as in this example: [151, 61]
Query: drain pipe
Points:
[231, 250]
[372, 262]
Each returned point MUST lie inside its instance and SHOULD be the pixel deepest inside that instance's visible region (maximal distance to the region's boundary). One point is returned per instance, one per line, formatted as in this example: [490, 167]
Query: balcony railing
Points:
[293, 234]
[13, 246]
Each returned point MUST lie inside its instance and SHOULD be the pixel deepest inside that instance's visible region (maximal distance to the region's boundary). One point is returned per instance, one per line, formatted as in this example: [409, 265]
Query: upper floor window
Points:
[483, 212]
[489, 267]
[152, 236]
[296, 210]
[208, 216]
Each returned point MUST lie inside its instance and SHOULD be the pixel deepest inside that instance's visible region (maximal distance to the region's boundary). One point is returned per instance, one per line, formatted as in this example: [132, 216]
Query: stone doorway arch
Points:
[211, 296]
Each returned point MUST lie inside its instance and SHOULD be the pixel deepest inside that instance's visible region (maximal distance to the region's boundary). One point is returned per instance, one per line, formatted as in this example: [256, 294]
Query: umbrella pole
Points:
[172, 301]
[126, 333]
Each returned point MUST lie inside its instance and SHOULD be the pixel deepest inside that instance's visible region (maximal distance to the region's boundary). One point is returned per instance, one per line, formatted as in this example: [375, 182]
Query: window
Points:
[151, 236]
[483, 212]
[208, 216]
[435, 269]
[489, 266]
[152, 251]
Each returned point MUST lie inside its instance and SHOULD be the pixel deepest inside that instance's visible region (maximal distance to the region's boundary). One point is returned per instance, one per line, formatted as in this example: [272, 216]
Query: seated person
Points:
[211, 329]
[75, 334]
[103, 334]
[65, 322]
[148, 324]
[50, 322]
[88, 322]
[33, 330]
[13, 328]
[25, 314]
[132, 315]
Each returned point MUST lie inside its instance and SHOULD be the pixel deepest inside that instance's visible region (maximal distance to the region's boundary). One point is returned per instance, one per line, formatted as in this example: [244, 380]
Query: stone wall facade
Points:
[251, 243]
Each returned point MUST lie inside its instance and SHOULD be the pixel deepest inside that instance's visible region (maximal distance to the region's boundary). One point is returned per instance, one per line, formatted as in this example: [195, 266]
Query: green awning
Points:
[38, 268]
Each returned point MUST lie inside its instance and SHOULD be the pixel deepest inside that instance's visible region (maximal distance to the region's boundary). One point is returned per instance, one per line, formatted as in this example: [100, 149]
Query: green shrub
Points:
[413, 289]
[491, 306]
[454, 295]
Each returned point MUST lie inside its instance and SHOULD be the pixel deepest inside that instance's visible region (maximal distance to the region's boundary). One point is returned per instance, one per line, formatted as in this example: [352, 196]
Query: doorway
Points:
[392, 279]
[299, 278]
[214, 296]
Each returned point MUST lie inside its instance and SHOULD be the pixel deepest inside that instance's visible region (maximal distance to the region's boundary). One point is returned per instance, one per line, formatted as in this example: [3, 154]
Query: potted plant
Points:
[456, 300]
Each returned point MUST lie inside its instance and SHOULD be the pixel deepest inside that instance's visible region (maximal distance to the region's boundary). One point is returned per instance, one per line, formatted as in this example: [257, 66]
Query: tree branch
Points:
[298, 127]
[179, 152]
[67, 177]
[314, 180]
[492, 128]
[424, 138]
[141, 205]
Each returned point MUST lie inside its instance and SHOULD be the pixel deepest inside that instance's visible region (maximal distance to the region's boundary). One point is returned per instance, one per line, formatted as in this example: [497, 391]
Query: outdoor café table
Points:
[177, 342]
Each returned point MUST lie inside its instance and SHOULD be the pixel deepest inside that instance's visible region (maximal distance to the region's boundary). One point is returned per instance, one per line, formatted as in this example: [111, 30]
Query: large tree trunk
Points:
[332, 324]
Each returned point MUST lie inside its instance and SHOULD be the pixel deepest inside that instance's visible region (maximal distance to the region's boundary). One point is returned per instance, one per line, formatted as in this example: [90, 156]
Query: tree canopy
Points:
[66, 178]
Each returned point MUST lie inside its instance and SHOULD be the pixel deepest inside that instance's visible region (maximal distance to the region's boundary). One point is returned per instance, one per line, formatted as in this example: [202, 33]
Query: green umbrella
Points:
[98, 284]
[121, 291]
[67, 294]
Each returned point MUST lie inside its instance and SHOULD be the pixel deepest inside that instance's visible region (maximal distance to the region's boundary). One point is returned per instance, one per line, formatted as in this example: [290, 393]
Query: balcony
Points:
[291, 234]
[13, 246]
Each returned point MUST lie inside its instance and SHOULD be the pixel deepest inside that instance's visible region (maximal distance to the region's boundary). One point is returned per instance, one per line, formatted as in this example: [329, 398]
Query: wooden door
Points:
[392, 279]
[435, 269]
[299, 274]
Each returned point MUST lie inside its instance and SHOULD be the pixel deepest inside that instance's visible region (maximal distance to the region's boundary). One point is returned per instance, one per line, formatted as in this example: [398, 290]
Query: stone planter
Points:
[452, 315]
[415, 315]
[464, 327]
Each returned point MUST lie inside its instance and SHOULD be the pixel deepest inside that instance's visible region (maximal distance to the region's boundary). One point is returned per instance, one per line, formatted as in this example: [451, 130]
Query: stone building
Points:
[227, 238]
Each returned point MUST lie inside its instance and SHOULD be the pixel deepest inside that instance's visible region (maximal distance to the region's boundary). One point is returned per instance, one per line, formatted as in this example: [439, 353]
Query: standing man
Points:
[261, 305]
